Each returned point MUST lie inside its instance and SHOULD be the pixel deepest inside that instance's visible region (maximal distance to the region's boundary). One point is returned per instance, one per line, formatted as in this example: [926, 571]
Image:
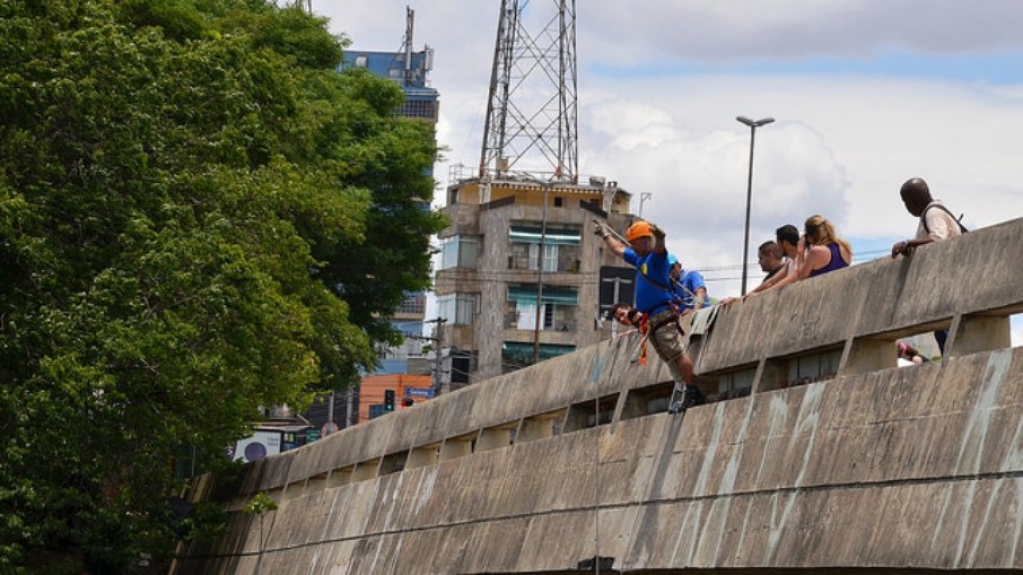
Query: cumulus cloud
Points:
[865, 95]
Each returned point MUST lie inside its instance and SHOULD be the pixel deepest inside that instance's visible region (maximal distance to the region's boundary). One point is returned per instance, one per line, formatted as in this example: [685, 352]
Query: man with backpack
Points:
[936, 223]
[655, 299]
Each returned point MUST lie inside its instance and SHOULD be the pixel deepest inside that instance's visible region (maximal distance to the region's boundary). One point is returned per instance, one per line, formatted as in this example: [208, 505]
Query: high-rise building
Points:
[410, 70]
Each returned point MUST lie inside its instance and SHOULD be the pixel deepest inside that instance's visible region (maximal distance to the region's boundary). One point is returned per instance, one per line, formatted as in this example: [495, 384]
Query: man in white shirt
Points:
[936, 222]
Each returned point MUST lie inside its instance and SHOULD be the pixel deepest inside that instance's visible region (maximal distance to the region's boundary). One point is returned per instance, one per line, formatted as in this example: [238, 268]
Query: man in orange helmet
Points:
[647, 253]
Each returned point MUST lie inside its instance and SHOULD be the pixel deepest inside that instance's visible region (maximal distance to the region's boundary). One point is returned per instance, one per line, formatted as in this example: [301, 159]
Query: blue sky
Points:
[866, 94]
[997, 67]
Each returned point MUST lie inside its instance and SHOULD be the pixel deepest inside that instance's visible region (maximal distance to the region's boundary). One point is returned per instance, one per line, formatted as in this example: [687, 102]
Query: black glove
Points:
[657, 231]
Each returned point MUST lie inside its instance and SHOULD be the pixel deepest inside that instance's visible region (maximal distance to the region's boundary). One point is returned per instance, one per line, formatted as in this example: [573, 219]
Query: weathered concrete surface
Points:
[876, 468]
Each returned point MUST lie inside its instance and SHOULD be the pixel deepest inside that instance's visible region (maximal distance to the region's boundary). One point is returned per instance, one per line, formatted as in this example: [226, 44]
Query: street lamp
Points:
[546, 185]
[753, 125]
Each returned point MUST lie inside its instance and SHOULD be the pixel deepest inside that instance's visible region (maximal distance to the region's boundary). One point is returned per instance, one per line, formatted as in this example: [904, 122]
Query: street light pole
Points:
[546, 185]
[753, 125]
[539, 280]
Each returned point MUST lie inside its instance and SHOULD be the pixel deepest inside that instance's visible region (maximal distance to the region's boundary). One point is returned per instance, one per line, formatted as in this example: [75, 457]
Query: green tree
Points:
[198, 217]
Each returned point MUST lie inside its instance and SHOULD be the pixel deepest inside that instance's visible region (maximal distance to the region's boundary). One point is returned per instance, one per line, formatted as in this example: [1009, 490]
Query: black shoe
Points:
[691, 396]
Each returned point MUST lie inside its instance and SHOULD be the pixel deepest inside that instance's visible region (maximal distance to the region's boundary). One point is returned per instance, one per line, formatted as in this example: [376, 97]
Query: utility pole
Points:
[349, 402]
[438, 371]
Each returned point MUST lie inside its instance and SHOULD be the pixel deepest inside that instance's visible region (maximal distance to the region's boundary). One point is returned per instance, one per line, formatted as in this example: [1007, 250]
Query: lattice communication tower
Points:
[531, 123]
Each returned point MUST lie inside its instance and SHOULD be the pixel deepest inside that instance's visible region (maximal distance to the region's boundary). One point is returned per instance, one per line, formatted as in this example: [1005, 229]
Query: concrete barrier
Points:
[544, 469]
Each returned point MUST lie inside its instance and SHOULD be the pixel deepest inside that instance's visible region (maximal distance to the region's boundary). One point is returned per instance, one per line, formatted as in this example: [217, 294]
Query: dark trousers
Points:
[941, 335]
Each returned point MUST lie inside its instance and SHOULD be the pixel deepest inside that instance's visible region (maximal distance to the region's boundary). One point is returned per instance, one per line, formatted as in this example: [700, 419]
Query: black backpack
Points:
[958, 220]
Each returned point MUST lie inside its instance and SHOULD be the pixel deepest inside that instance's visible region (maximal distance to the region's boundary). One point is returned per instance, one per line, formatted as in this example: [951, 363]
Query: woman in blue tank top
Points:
[824, 250]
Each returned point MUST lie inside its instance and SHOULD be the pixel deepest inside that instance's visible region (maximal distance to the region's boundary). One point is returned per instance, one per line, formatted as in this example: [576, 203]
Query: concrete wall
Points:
[871, 466]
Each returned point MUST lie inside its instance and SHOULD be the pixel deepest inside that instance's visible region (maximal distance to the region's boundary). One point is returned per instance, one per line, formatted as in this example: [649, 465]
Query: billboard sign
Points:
[261, 444]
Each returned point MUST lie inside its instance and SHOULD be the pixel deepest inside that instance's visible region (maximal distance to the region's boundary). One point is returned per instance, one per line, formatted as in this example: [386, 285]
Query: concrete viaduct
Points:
[820, 455]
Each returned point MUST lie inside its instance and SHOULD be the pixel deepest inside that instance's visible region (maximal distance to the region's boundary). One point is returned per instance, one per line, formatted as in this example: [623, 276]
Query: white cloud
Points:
[842, 144]
[841, 147]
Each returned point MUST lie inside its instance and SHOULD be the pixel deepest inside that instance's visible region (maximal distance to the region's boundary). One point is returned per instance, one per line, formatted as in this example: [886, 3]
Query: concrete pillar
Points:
[455, 448]
[866, 355]
[974, 333]
[339, 477]
[494, 438]
[366, 470]
[423, 456]
[538, 427]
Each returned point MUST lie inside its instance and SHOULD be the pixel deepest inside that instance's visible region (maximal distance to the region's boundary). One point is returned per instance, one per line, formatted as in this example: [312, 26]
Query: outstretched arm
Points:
[610, 240]
[660, 247]
[800, 269]
[775, 279]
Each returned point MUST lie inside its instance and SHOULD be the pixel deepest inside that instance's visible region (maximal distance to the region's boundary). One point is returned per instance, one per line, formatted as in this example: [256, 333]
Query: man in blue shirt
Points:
[654, 297]
[689, 287]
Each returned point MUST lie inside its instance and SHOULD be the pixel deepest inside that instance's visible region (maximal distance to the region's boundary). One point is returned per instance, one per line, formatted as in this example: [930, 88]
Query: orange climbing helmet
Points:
[638, 230]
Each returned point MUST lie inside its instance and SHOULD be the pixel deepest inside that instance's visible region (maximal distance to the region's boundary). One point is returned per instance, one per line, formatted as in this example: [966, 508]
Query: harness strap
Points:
[673, 319]
[959, 220]
[645, 329]
[676, 303]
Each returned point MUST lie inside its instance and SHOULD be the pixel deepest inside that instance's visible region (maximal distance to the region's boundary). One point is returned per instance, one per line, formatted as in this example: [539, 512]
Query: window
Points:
[527, 316]
[558, 243]
[459, 252]
[420, 109]
[409, 329]
[515, 355]
[458, 309]
[553, 236]
[413, 303]
[556, 303]
[550, 257]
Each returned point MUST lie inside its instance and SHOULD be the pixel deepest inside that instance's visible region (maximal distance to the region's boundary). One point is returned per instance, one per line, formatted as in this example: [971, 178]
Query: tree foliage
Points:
[198, 217]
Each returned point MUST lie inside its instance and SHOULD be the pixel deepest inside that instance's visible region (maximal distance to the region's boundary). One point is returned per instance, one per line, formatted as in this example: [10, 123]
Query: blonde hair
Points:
[819, 231]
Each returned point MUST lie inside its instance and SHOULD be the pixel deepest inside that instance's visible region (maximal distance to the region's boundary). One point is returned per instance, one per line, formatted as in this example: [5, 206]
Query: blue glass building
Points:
[410, 70]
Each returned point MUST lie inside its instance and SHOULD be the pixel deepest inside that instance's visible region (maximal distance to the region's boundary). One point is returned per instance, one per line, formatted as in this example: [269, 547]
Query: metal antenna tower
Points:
[531, 120]
[410, 22]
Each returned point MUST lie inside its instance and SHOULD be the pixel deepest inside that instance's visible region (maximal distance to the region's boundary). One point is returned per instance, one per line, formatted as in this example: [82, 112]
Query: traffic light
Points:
[388, 400]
